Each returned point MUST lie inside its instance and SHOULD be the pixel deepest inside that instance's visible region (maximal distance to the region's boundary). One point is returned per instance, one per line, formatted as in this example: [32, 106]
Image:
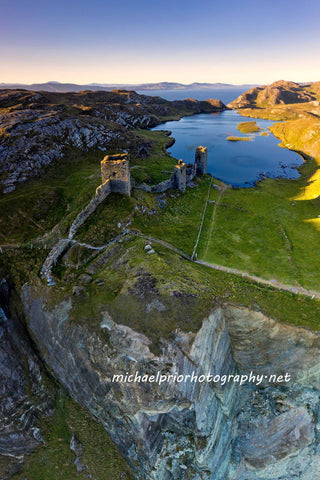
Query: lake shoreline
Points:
[238, 159]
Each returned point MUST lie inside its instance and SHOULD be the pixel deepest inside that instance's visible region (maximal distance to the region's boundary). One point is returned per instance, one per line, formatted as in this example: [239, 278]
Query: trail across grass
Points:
[209, 235]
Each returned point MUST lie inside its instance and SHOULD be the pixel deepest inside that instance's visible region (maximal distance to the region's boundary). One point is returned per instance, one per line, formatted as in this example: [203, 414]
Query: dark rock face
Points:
[279, 92]
[164, 431]
[277, 424]
[37, 128]
[23, 398]
[193, 430]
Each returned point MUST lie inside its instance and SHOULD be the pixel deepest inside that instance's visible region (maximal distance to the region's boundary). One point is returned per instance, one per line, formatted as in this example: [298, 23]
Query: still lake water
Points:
[240, 163]
[226, 95]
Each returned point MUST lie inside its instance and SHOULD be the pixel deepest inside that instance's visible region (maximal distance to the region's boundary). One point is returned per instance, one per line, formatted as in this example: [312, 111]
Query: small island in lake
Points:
[248, 127]
[238, 139]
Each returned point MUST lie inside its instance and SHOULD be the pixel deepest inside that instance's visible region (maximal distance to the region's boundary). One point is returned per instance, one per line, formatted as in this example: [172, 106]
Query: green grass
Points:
[173, 216]
[268, 238]
[55, 459]
[108, 220]
[158, 165]
[272, 230]
[33, 209]
[189, 291]
[178, 221]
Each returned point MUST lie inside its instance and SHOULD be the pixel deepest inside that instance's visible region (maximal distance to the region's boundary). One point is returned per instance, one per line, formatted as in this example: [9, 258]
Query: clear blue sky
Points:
[134, 41]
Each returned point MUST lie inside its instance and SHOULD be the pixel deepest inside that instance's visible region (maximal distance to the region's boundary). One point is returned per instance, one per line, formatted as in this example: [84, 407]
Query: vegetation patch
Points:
[157, 165]
[55, 460]
[156, 293]
[248, 127]
[264, 230]
[44, 208]
[238, 139]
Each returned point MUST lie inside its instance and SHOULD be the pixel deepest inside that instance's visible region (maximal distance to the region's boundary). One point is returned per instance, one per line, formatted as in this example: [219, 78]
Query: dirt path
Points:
[213, 218]
[202, 220]
[297, 290]
[272, 283]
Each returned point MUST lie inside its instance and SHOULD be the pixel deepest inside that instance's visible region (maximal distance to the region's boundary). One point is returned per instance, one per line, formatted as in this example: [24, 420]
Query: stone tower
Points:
[116, 168]
[180, 175]
[201, 160]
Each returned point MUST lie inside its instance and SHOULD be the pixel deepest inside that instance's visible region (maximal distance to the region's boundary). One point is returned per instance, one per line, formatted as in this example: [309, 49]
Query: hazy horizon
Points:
[96, 83]
[140, 42]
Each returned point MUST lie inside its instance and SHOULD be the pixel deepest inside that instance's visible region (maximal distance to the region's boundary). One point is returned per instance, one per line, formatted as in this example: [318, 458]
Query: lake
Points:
[226, 95]
[240, 163]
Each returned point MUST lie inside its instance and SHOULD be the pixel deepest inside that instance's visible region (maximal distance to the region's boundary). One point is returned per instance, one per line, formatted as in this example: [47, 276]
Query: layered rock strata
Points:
[193, 430]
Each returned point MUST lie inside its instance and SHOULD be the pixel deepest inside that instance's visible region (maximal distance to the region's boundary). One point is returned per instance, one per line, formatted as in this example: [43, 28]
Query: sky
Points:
[138, 41]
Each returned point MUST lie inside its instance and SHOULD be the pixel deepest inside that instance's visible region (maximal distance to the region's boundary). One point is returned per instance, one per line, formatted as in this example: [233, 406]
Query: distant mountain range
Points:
[73, 87]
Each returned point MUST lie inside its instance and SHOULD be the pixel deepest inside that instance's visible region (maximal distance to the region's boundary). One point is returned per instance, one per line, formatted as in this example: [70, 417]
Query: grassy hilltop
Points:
[271, 231]
[262, 231]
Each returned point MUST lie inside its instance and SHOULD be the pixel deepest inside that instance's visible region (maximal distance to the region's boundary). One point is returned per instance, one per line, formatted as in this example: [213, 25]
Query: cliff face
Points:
[193, 430]
[277, 425]
[23, 395]
[165, 431]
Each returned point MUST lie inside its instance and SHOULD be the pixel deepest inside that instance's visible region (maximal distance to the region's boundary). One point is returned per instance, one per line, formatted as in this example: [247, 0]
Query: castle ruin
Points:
[184, 173]
[115, 172]
[201, 160]
[180, 176]
[116, 169]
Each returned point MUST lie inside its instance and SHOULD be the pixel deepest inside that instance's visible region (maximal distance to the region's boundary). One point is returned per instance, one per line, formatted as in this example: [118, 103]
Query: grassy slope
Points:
[33, 209]
[55, 459]
[53, 200]
[126, 279]
[159, 165]
[272, 230]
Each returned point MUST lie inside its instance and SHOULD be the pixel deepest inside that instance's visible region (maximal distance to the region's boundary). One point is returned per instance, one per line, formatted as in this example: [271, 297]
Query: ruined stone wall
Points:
[101, 193]
[52, 259]
[182, 174]
[191, 171]
[116, 168]
[159, 187]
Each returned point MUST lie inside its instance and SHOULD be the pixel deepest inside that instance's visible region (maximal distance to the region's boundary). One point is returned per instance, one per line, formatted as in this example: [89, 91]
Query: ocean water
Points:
[226, 95]
[239, 164]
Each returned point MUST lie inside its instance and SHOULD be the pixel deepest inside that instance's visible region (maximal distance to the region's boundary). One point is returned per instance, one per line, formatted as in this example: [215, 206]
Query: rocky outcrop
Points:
[273, 345]
[23, 396]
[163, 430]
[38, 128]
[193, 430]
[279, 92]
[277, 423]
